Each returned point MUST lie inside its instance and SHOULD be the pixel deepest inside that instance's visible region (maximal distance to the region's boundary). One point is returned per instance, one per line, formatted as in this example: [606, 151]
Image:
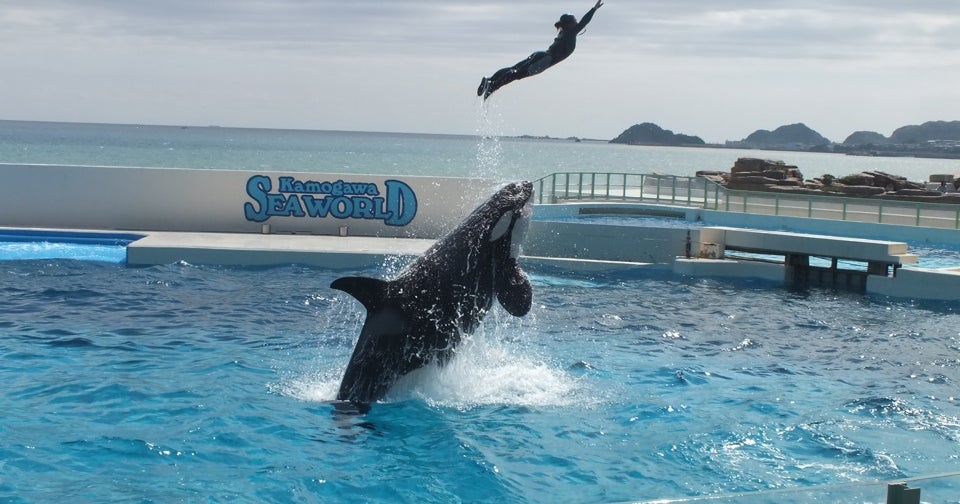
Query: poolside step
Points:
[787, 243]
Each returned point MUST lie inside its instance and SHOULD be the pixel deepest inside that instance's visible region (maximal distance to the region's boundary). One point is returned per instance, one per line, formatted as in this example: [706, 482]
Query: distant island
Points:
[939, 139]
[651, 134]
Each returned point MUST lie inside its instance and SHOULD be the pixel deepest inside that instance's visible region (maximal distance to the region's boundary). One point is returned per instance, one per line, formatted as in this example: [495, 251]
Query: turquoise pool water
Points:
[180, 383]
[18, 245]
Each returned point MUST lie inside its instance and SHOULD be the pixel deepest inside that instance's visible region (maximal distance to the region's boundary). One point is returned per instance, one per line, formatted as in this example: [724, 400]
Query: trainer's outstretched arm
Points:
[588, 16]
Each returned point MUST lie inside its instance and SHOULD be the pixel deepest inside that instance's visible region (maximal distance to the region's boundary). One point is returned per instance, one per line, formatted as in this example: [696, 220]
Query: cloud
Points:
[345, 63]
[786, 30]
[774, 29]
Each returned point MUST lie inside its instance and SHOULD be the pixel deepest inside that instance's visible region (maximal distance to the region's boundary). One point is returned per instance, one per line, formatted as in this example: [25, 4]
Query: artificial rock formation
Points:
[752, 174]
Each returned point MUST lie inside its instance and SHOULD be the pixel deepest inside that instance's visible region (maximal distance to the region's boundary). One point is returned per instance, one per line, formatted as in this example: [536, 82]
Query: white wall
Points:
[918, 283]
[160, 199]
[578, 240]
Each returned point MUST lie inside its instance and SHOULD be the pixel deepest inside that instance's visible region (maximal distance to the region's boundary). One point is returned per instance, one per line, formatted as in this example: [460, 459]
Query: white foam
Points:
[485, 371]
[313, 387]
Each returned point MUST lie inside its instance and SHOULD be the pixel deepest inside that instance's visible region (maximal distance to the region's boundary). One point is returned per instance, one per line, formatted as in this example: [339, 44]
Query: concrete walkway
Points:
[270, 249]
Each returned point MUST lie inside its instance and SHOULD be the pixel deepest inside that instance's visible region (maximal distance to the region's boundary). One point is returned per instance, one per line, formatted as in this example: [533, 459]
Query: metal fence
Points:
[561, 187]
[703, 193]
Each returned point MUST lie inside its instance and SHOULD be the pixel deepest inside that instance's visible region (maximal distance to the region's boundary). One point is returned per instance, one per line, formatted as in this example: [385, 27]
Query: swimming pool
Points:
[186, 383]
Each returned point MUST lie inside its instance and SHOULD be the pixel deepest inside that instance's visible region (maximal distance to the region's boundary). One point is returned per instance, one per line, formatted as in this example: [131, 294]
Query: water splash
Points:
[489, 149]
[317, 386]
[487, 371]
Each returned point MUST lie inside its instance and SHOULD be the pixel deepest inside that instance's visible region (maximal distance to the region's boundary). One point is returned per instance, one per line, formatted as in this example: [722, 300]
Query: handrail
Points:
[704, 193]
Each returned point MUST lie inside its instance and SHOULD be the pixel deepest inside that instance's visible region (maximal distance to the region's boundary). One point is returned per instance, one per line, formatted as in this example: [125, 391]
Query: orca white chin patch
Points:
[520, 230]
[501, 227]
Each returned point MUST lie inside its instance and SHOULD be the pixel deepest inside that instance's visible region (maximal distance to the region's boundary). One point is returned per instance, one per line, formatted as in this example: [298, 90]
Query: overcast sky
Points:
[717, 69]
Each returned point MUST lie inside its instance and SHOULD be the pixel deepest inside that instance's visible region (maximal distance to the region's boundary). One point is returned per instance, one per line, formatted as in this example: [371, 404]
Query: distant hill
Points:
[865, 138]
[930, 139]
[792, 136]
[917, 134]
[939, 139]
[651, 134]
[930, 131]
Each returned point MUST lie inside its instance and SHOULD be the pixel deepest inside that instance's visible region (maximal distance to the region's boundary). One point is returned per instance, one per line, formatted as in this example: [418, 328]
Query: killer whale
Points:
[419, 316]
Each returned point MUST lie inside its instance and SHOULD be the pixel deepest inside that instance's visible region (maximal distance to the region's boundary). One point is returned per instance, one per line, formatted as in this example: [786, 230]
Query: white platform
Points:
[782, 242]
[270, 249]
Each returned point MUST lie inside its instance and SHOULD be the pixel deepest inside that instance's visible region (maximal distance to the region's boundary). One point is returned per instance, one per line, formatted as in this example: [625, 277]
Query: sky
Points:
[718, 69]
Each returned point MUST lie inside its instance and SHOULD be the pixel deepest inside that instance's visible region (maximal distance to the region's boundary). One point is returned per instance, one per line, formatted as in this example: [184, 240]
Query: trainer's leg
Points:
[498, 79]
[536, 63]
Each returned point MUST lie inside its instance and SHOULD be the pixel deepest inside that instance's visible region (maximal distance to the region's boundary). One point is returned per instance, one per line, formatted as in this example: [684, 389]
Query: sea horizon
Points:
[484, 153]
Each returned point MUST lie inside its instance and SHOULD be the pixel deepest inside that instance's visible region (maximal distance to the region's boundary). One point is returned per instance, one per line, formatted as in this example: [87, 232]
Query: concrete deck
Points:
[351, 252]
[797, 248]
[270, 249]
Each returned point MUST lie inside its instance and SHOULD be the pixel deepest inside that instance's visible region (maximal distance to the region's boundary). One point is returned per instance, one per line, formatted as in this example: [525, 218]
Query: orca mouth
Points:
[517, 204]
[517, 194]
[526, 191]
[520, 196]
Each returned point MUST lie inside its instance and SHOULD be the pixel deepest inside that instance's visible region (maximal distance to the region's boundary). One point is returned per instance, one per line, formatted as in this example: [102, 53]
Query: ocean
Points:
[483, 155]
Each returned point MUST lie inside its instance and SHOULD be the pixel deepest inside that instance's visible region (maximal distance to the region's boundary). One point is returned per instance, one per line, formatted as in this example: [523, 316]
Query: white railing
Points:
[703, 193]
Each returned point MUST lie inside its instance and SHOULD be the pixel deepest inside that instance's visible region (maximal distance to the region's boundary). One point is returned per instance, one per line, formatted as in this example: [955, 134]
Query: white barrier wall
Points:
[161, 199]
[577, 240]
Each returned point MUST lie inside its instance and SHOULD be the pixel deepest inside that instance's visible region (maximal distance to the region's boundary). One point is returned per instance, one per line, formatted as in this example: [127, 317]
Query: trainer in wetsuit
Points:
[539, 61]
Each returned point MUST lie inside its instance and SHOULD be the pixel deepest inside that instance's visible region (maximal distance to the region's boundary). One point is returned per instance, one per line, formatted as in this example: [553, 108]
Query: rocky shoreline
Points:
[754, 174]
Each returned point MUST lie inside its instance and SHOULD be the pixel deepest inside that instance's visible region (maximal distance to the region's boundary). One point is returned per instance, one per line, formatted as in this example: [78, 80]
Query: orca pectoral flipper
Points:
[514, 291]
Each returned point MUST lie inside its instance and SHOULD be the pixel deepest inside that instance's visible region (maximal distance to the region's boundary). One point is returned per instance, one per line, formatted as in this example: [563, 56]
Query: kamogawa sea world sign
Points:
[394, 203]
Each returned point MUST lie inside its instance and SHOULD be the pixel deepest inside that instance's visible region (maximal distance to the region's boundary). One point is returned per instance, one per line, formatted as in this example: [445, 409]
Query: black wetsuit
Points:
[539, 61]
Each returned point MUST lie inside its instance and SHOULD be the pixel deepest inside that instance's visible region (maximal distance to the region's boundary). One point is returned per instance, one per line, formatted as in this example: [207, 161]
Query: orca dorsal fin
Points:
[369, 291]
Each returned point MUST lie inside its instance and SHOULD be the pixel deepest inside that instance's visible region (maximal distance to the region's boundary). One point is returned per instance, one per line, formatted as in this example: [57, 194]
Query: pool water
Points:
[181, 383]
[25, 250]
[25, 244]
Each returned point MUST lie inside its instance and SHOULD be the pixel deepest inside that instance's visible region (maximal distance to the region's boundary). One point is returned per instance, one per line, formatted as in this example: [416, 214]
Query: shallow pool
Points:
[26, 244]
[182, 383]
